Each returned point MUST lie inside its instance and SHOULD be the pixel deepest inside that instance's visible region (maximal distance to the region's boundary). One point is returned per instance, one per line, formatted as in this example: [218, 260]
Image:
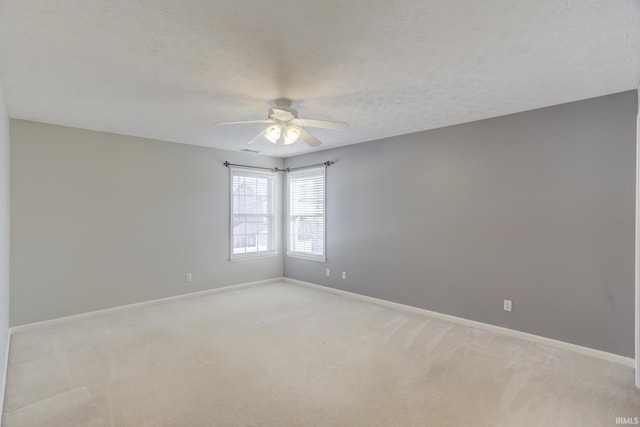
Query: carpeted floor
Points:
[286, 355]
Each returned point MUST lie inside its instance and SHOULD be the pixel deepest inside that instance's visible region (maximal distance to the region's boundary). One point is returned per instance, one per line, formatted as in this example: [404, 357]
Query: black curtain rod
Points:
[327, 163]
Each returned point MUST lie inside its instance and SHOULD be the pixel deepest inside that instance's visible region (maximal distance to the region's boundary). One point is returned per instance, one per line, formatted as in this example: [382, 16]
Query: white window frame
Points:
[301, 173]
[274, 213]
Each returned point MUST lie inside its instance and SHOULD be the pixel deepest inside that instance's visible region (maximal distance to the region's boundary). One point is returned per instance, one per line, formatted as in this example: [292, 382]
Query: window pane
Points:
[306, 213]
[252, 212]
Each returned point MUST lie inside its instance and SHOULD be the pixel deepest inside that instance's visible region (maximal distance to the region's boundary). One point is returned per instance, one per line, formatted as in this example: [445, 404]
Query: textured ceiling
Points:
[170, 69]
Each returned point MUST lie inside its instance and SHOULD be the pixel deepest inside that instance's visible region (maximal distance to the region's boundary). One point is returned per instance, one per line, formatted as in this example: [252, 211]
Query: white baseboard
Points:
[5, 369]
[586, 351]
[45, 323]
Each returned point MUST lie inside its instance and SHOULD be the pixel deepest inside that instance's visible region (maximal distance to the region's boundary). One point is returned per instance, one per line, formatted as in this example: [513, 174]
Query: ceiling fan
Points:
[287, 127]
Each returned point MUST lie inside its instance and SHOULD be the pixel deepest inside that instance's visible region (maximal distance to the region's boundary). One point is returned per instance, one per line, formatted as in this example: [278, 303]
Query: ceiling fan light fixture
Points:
[291, 134]
[273, 133]
[286, 128]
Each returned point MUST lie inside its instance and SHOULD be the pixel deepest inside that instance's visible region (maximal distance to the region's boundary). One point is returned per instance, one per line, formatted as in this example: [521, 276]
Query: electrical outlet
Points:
[507, 305]
[328, 272]
[187, 277]
[344, 275]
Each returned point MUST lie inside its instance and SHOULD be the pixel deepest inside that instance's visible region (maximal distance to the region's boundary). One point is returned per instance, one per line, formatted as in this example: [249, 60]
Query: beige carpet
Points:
[285, 355]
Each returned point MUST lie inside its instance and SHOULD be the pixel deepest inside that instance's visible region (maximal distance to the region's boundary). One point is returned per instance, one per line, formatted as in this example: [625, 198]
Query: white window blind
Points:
[253, 204]
[307, 214]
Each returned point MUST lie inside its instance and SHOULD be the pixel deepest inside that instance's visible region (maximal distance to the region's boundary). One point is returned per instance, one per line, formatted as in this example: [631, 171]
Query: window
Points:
[253, 213]
[307, 214]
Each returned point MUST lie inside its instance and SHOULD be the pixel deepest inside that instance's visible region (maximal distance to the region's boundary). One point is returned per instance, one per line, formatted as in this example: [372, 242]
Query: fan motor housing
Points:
[283, 114]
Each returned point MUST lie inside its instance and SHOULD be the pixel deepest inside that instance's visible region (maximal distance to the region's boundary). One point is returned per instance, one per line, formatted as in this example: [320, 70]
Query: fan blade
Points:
[323, 124]
[246, 122]
[258, 137]
[311, 140]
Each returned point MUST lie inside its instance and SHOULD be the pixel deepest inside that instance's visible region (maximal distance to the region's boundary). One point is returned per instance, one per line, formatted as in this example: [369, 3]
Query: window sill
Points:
[237, 258]
[307, 257]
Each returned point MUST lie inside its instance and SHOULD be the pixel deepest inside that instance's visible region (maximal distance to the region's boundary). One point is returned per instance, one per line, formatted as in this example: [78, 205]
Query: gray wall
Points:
[101, 220]
[4, 235]
[537, 207]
